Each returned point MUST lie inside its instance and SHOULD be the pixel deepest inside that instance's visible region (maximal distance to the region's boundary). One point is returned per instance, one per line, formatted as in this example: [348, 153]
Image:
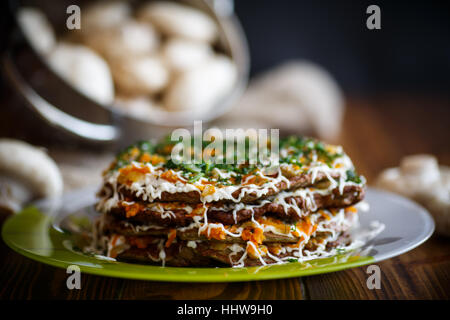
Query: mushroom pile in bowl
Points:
[149, 61]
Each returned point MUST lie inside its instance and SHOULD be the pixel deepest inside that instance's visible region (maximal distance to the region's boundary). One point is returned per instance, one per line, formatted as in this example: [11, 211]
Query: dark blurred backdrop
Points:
[391, 77]
[410, 53]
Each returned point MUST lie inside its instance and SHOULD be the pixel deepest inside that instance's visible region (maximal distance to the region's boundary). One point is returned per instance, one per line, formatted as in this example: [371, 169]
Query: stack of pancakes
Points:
[205, 214]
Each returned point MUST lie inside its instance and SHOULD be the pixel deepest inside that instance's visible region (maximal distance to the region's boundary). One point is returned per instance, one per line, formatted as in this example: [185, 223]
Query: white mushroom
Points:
[102, 15]
[313, 90]
[139, 76]
[420, 178]
[85, 70]
[298, 96]
[141, 107]
[423, 168]
[200, 88]
[37, 29]
[439, 207]
[436, 198]
[175, 19]
[125, 40]
[181, 54]
[26, 172]
[415, 175]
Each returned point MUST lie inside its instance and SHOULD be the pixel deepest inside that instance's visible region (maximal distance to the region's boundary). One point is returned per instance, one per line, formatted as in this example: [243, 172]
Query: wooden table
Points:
[377, 133]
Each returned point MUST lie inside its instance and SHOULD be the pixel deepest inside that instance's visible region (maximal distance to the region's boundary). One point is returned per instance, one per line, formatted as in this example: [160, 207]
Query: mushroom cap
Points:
[32, 166]
[140, 75]
[127, 40]
[182, 54]
[84, 69]
[199, 88]
[174, 19]
[420, 178]
[102, 15]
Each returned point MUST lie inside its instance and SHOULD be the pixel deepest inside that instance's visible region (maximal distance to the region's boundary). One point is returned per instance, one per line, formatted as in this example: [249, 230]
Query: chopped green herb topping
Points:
[297, 151]
[301, 151]
[353, 176]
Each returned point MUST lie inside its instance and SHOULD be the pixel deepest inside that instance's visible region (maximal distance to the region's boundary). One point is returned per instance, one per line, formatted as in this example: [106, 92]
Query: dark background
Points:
[411, 52]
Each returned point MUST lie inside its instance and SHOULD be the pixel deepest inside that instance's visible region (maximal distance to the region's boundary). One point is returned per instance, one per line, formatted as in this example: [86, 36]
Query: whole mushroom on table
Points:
[26, 173]
[422, 179]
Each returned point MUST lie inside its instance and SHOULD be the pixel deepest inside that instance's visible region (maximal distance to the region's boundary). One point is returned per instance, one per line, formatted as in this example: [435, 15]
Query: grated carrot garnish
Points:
[170, 237]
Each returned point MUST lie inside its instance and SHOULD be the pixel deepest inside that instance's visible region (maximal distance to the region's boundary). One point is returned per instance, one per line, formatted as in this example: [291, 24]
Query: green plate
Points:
[31, 233]
[34, 234]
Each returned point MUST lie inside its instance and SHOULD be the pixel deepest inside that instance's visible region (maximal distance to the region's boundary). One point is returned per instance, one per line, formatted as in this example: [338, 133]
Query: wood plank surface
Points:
[377, 133]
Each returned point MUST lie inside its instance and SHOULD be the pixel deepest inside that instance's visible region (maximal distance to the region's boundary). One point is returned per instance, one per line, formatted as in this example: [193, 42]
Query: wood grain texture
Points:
[377, 133]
